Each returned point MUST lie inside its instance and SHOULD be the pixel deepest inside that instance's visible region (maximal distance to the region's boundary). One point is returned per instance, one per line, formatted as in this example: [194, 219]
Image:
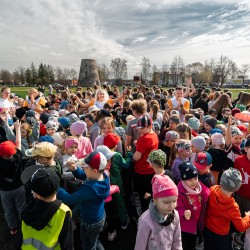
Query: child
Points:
[43, 154]
[203, 163]
[198, 144]
[84, 144]
[223, 210]
[218, 155]
[107, 126]
[234, 139]
[191, 205]
[51, 128]
[117, 164]
[242, 163]
[143, 173]
[184, 153]
[168, 147]
[159, 226]
[91, 196]
[12, 191]
[46, 221]
[64, 125]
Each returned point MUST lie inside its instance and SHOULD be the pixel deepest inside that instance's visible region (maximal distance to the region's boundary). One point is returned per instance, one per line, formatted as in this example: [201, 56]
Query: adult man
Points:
[179, 103]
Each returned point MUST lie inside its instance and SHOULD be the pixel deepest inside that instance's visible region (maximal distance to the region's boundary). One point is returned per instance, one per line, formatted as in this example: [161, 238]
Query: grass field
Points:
[22, 91]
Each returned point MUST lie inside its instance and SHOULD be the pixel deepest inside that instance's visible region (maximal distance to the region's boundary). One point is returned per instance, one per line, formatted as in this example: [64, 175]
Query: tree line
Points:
[43, 75]
[211, 71]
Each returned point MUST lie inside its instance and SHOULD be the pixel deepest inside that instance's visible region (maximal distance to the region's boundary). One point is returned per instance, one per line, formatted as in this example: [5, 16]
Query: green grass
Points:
[23, 91]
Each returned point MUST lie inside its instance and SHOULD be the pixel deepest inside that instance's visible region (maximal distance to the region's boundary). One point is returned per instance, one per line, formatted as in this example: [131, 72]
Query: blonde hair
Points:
[32, 90]
[106, 96]
[108, 120]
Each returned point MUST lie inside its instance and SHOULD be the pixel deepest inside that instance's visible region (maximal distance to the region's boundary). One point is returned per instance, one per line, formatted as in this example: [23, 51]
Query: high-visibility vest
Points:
[47, 238]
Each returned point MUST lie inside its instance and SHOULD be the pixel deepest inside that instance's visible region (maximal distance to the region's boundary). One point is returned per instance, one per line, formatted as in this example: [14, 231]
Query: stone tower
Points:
[88, 75]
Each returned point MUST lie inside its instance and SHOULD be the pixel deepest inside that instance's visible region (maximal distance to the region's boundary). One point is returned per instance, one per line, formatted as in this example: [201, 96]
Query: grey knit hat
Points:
[231, 180]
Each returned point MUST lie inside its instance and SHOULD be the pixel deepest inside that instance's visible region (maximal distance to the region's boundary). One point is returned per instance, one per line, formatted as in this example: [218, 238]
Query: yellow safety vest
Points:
[47, 238]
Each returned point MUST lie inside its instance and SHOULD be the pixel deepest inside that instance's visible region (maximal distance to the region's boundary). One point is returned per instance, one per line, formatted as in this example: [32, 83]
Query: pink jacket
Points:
[190, 226]
[152, 236]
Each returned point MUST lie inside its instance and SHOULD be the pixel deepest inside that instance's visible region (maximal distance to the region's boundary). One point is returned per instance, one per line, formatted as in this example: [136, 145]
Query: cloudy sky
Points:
[62, 32]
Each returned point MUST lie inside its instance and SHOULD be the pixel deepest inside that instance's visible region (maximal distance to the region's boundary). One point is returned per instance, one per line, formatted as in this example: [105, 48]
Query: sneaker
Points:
[125, 225]
[111, 236]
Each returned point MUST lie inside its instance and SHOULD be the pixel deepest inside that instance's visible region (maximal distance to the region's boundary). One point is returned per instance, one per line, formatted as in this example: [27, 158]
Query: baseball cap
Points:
[202, 160]
[144, 121]
[95, 160]
[7, 148]
[171, 136]
[41, 180]
[44, 149]
[105, 151]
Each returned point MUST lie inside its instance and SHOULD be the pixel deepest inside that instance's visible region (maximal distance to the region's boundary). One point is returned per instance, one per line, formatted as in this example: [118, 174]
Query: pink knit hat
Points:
[70, 142]
[77, 128]
[163, 186]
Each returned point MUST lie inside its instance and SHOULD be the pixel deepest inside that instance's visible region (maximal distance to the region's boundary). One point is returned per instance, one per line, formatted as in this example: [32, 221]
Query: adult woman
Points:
[243, 102]
[101, 98]
[4, 100]
[223, 101]
[34, 100]
[215, 97]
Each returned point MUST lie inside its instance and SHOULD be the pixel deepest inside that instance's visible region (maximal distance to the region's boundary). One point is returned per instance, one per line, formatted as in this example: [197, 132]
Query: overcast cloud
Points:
[62, 32]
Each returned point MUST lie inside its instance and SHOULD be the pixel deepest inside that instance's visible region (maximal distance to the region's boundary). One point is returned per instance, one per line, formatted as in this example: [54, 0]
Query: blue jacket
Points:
[91, 196]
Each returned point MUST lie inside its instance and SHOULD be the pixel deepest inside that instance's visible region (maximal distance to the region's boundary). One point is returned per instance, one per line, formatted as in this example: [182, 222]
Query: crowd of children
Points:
[88, 161]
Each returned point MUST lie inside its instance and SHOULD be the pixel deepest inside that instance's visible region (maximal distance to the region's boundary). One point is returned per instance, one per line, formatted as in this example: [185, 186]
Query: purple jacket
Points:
[191, 225]
[153, 236]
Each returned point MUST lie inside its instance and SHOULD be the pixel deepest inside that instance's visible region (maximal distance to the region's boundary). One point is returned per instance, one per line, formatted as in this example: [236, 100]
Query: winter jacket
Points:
[91, 196]
[191, 225]
[221, 210]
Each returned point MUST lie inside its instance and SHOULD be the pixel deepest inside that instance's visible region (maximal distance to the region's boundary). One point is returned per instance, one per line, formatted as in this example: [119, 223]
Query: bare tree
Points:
[225, 67]
[195, 70]
[104, 72]
[5, 76]
[177, 69]
[145, 69]
[243, 71]
[119, 69]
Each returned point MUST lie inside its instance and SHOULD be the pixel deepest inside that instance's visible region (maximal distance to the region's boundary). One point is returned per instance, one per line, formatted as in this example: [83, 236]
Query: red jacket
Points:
[242, 163]
[221, 210]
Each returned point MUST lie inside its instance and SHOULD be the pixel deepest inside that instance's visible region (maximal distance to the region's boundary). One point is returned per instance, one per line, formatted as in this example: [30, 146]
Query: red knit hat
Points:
[242, 128]
[163, 186]
[7, 148]
[111, 140]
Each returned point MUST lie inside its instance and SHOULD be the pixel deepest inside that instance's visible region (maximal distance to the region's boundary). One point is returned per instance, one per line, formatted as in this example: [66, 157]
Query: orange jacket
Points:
[221, 210]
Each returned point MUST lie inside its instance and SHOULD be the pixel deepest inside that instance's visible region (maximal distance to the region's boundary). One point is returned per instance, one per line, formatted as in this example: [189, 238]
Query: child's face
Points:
[207, 127]
[172, 125]
[194, 149]
[192, 183]
[166, 205]
[203, 171]
[24, 133]
[107, 128]
[169, 143]
[237, 140]
[185, 153]
[184, 135]
[50, 131]
[71, 150]
[144, 131]
[247, 150]
[88, 122]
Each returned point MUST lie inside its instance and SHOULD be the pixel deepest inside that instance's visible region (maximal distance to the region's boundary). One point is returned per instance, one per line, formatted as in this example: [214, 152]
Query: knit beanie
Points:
[206, 117]
[199, 143]
[51, 124]
[231, 180]
[235, 111]
[212, 122]
[235, 131]
[163, 186]
[157, 157]
[77, 128]
[217, 139]
[194, 123]
[111, 140]
[187, 171]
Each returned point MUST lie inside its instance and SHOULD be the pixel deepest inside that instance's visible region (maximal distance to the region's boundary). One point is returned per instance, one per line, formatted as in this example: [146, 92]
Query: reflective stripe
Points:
[38, 244]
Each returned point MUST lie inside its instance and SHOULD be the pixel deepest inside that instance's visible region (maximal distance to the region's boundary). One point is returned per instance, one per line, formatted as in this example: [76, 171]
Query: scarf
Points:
[196, 191]
[158, 217]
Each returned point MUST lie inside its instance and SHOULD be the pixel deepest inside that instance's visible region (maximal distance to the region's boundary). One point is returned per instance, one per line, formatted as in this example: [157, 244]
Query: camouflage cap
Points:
[158, 157]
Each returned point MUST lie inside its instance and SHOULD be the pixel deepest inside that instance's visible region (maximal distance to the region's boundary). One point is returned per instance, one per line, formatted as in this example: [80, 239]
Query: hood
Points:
[217, 199]
[38, 213]
[101, 188]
